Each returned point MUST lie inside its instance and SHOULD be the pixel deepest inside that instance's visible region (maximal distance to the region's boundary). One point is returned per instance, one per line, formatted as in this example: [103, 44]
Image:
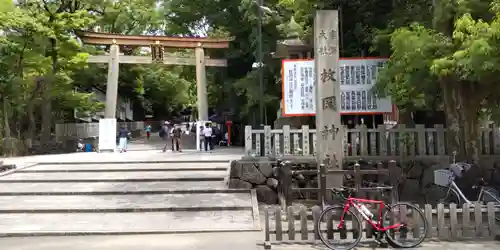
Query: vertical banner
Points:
[328, 124]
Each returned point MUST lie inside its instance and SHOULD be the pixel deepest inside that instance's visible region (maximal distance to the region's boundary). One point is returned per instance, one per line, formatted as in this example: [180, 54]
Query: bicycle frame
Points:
[356, 203]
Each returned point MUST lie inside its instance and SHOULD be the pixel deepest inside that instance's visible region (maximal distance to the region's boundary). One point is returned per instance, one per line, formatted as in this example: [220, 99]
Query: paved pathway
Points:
[129, 193]
[428, 245]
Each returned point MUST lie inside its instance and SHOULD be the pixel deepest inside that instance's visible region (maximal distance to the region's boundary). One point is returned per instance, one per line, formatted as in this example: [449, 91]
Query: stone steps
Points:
[128, 198]
[190, 166]
[86, 188]
[125, 176]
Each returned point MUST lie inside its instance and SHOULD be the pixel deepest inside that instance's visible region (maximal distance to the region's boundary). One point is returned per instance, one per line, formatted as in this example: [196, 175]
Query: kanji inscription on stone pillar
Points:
[328, 126]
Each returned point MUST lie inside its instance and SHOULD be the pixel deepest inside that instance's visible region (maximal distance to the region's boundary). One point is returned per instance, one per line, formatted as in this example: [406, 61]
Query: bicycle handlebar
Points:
[339, 191]
[377, 186]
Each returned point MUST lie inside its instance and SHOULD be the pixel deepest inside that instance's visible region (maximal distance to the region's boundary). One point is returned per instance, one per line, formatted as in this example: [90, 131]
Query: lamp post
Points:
[260, 63]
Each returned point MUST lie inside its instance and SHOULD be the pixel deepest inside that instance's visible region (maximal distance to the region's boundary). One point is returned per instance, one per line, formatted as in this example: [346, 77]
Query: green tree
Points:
[453, 56]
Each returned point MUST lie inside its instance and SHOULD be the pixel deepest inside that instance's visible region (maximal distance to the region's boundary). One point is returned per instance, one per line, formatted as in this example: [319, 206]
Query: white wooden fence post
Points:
[267, 140]
[305, 140]
[248, 140]
[286, 140]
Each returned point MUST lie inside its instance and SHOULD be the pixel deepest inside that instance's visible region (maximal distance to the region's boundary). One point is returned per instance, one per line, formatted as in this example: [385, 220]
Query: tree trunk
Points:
[6, 142]
[462, 109]
[469, 110]
[47, 95]
[406, 118]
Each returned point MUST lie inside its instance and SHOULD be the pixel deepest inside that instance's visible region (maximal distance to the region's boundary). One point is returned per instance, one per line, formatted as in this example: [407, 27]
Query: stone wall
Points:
[263, 177]
[259, 176]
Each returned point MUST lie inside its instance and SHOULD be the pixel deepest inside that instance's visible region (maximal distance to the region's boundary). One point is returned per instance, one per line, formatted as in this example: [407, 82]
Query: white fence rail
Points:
[362, 142]
[87, 130]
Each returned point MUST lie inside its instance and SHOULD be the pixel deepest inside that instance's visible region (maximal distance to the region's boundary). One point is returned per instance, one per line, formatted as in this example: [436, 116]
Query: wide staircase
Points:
[157, 193]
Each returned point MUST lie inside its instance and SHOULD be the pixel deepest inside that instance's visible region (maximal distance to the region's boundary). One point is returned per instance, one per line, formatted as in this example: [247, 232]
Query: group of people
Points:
[174, 133]
[209, 136]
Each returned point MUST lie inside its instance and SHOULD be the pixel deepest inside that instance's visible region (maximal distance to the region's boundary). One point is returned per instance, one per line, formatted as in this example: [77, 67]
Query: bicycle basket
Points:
[442, 177]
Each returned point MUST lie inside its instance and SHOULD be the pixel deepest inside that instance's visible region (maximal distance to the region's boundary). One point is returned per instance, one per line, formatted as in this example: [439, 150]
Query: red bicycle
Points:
[411, 231]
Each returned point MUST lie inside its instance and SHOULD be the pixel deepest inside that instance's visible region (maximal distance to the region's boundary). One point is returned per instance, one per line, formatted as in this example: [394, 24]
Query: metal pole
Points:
[260, 59]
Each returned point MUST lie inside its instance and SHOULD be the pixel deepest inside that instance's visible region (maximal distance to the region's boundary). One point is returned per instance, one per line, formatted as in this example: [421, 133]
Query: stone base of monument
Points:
[263, 177]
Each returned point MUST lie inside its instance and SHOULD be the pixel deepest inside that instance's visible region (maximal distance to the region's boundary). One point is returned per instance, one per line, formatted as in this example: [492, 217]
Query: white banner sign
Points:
[356, 77]
[298, 88]
[107, 134]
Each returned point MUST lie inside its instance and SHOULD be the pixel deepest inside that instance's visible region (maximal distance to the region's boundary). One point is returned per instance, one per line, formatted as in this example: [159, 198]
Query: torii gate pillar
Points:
[201, 84]
[112, 84]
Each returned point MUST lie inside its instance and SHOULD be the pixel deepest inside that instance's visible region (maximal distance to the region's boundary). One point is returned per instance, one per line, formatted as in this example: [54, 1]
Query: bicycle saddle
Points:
[342, 189]
[283, 163]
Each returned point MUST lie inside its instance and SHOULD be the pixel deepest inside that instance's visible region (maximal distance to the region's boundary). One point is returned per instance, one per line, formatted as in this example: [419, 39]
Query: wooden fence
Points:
[286, 192]
[445, 223]
[88, 130]
[361, 141]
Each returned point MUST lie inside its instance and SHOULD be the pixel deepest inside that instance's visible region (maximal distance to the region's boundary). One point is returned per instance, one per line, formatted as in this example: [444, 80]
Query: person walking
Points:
[176, 134]
[207, 134]
[123, 136]
[148, 131]
[164, 133]
[202, 139]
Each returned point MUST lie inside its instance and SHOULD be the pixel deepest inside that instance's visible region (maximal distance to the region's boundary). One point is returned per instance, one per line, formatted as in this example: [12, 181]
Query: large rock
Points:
[272, 183]
[266, 169]
[235, 171]
[239, 184]
[266, 194]
[250, 173]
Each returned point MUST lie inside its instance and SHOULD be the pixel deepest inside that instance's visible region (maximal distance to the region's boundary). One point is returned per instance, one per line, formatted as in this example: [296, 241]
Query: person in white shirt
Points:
[207, 133]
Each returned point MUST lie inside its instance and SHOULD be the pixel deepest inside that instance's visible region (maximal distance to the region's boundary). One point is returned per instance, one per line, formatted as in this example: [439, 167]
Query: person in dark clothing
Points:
[176, 135]
[123, 136]
[216, 134]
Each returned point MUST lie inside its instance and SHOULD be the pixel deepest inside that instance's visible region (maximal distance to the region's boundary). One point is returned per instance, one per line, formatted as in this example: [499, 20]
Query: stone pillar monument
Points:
[329, 129]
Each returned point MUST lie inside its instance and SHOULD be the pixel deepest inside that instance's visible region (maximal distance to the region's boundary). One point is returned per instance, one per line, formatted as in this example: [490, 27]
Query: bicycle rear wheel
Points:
[413, 227]
[491, 195]
[437, 194]
[337, 235]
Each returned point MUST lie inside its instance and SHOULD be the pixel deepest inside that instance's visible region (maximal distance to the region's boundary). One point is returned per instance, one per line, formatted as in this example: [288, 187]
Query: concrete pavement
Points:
[197, 241]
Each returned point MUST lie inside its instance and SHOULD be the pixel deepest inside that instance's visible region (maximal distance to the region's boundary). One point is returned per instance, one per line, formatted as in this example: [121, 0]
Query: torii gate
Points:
[107, 126]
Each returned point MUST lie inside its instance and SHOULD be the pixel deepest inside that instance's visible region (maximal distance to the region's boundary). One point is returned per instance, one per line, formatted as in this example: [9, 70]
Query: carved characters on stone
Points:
[330, 103]
[327, 131]
[328, 76]
[327, 50]
[328, 34]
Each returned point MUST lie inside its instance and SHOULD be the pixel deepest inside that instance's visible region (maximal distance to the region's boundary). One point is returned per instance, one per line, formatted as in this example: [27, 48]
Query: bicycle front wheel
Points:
[413, 225]
[339, 230]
